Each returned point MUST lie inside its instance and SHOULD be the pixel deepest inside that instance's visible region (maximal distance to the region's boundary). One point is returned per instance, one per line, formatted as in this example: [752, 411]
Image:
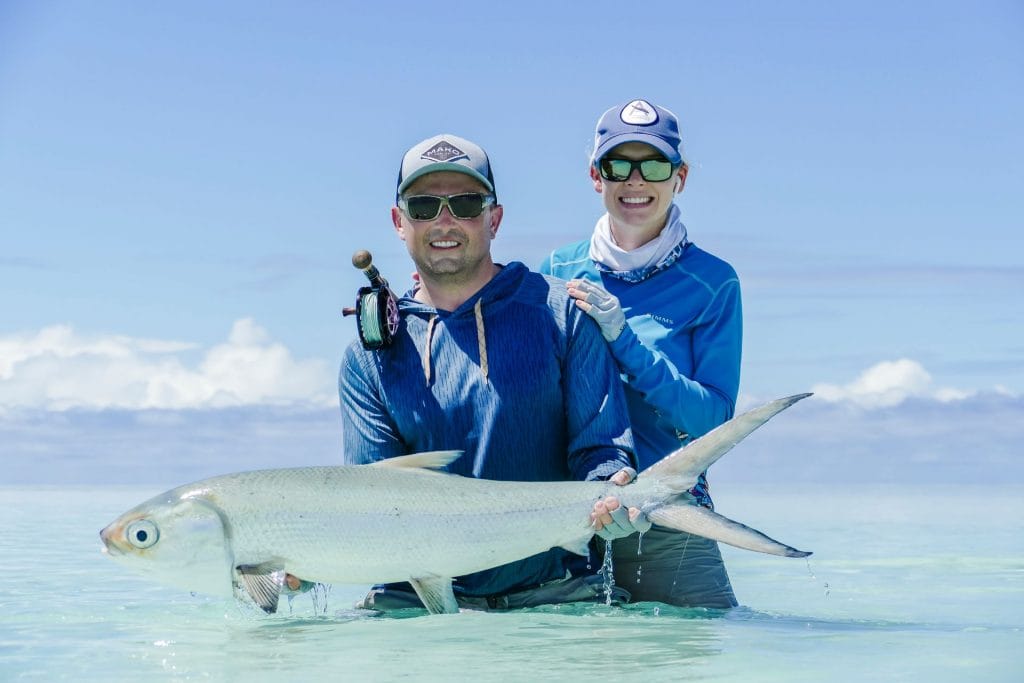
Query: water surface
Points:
[911, 584]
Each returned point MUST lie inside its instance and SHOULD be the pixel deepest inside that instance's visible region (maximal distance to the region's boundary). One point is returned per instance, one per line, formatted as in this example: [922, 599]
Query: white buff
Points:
[605, 251]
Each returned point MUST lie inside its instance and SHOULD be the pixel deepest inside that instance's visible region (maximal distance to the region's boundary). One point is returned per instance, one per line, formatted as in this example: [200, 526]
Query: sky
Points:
[182, 186]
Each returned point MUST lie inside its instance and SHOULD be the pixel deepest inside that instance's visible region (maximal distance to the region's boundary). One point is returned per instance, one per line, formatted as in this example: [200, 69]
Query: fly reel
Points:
[376, 308]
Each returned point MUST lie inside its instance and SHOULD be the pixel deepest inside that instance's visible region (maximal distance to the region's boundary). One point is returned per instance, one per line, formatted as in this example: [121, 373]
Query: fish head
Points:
[176, 540]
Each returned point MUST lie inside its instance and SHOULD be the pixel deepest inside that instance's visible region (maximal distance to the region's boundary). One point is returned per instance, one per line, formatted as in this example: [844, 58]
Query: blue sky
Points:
[182, 184]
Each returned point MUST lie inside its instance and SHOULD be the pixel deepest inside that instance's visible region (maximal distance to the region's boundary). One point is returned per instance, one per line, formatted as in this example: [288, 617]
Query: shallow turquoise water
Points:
[924, 584]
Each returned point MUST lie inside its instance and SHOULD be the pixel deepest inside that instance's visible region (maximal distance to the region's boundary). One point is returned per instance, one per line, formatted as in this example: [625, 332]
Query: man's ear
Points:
[497, 212]
[396, 219]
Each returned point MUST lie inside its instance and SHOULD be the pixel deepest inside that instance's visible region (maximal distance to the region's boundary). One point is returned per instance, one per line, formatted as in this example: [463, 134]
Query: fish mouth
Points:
[109, 537]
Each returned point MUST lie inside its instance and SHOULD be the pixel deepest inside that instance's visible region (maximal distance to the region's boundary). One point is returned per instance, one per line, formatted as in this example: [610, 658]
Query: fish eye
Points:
[142, 534]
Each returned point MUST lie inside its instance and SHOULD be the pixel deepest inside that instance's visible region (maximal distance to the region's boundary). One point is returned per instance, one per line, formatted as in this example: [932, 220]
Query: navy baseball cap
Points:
[445, 152]
[638, 121]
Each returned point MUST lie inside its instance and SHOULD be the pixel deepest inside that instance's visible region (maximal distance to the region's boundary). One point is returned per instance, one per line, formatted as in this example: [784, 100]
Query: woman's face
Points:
[637, 206]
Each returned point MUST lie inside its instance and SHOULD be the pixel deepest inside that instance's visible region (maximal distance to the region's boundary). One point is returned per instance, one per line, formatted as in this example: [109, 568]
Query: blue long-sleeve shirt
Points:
[528, 389]
[680, 351]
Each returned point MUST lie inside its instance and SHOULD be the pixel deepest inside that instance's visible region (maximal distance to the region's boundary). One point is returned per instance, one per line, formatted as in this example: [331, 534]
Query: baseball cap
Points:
[445, 152]
[639, 121]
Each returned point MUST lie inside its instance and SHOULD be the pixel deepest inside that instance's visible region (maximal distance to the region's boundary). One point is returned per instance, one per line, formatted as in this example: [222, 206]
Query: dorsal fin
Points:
[430, 460]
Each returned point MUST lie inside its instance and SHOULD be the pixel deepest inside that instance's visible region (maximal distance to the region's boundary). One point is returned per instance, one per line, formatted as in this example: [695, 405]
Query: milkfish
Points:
[401, 519]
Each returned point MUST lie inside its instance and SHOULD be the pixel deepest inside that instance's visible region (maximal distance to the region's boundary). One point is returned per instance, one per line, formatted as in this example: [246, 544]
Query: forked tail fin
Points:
[703, 522]
[679, 470]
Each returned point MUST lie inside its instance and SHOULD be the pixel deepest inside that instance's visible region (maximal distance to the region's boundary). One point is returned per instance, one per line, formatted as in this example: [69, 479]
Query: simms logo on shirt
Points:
[444, 151]
[668, 322]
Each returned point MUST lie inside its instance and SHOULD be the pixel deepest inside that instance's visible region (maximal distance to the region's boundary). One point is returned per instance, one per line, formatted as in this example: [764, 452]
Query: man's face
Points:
[637, 204]
[447, 248]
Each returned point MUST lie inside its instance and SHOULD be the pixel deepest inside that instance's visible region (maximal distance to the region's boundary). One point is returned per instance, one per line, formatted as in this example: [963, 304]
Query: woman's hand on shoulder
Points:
[603, 307]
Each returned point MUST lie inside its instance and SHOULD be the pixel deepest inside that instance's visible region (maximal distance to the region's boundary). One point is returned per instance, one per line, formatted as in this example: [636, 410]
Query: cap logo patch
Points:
[442, 152]
[639, 113]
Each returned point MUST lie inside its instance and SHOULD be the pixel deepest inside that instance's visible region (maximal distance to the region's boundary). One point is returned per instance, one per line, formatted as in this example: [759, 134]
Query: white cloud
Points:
[889, 383]
[58, 368]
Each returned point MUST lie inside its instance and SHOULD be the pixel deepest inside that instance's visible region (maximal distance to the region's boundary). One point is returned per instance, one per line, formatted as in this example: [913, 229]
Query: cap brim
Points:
[444, 166]
[654, 141]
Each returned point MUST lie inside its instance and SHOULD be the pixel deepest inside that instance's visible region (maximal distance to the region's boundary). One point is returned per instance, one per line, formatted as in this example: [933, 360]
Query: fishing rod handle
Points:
[363, 260]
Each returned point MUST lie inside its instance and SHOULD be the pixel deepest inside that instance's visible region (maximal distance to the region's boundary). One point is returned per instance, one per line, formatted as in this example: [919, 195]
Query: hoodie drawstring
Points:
[481, 338]
[481, 342]
[426, 348]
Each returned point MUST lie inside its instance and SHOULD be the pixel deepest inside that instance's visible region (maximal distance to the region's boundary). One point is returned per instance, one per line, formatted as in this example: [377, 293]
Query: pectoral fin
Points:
[703, 522]
[261, 582]
[435, 592]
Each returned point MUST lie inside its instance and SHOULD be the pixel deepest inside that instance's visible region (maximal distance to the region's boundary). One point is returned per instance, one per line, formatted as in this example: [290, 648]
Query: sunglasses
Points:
[427, 207]
[651, 170]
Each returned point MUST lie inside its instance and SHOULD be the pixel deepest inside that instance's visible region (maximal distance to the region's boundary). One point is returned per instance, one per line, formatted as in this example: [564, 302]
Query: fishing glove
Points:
[599, 305]
[621, 527]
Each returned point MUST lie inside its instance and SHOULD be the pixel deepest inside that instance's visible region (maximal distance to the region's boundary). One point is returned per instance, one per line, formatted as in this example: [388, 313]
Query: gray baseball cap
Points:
[445, 152]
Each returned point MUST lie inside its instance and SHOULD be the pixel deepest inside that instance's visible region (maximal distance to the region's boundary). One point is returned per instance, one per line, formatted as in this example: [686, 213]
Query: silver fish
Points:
[400, 520]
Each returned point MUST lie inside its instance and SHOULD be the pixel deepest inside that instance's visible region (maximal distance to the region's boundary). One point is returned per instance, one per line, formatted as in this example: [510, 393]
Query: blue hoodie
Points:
[680, 350]
[517, 377]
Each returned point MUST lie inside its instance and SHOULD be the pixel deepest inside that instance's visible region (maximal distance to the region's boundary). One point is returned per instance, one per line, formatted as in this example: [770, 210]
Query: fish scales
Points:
[240, 534]
[320, 521]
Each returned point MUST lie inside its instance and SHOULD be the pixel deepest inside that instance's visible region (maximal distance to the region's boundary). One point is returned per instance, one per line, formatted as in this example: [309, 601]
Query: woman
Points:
[671, 314]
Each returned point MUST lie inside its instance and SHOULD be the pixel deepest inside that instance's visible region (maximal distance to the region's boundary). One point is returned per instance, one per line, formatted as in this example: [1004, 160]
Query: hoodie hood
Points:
[501, 289]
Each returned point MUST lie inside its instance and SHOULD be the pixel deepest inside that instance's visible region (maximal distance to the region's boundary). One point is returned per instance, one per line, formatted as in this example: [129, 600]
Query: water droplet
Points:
[609, 575]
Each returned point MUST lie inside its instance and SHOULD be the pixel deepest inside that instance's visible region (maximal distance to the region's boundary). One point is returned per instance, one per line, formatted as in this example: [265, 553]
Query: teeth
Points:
[444, 245]
[636, 200]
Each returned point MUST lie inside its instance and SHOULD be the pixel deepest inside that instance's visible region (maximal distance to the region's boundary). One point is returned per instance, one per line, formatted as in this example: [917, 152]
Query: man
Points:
[492, 360]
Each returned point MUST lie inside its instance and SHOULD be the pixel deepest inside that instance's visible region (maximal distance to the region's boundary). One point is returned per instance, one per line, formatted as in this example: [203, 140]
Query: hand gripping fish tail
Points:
[250, 534]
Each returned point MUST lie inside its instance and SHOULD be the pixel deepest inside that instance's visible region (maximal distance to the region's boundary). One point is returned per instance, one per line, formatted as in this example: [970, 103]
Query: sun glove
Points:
[603, 308]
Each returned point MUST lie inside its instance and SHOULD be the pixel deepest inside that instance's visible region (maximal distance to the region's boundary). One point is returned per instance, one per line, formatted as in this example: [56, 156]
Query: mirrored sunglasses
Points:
[651, 170]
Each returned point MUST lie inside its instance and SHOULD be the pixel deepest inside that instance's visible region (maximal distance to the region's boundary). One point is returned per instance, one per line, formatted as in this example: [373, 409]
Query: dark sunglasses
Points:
[651, 170]
[427, 207]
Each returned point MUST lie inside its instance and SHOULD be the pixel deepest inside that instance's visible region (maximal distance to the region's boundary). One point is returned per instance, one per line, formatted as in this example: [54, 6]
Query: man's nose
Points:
[446, 215]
